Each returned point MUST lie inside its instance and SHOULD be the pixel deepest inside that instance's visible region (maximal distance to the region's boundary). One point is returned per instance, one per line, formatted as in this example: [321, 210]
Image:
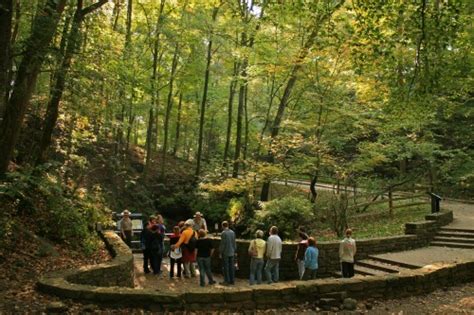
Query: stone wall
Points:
[418, 234]
[320, 291]
[117, 272]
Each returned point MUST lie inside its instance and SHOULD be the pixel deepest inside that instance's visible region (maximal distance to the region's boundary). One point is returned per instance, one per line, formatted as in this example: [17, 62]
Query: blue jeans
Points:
[204, 264]
[256, 267]
[228, 267]
[272, 270]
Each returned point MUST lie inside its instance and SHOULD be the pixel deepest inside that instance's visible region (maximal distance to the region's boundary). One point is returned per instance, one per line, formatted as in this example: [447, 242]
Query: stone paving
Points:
[463, 214]
[463, 219]
[164, 283]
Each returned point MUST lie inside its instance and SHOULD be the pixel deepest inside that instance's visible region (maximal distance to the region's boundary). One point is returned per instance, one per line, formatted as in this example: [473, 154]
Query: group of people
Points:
[189, 244]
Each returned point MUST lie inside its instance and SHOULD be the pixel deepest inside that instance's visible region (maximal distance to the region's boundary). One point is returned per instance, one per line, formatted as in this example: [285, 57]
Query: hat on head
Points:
[189, 222]
[198, 213]
[126, 212]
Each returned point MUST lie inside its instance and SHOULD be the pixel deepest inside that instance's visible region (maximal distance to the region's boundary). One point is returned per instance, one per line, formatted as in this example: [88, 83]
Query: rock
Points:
[335, 309]
[56, 307]
[349, 304]
[369, 306]
[328, 302]
[90, 308]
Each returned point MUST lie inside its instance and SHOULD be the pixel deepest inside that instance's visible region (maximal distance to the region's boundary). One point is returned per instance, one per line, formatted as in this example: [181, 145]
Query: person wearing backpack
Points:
[256, 252]
[187, 243]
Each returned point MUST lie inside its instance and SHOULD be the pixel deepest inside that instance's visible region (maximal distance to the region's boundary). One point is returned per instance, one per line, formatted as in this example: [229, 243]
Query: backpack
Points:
[192, 243]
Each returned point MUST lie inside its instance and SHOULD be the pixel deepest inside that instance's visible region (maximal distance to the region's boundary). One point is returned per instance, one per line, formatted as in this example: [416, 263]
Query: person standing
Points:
[126, 228]
[347, 251]
[145, 240]
[204, 253]
[273, 254]
[199, 222]
[156, 248]
[311, 259]
[300, 252]
[227, 249]
[187, 243]
[257, 252]
[175, 254]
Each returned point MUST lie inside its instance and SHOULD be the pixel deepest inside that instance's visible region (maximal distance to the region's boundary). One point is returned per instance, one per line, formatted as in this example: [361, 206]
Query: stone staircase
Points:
[377, 266]
[374, 265]
[454, 237]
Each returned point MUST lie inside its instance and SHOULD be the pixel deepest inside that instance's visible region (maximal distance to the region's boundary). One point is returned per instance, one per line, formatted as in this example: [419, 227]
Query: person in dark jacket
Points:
[145, 240]
[156, 248]
[204, 253]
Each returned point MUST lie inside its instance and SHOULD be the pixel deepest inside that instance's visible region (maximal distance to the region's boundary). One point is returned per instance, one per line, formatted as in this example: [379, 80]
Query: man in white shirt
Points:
[199, 222]
[347, 251]
[273, 254]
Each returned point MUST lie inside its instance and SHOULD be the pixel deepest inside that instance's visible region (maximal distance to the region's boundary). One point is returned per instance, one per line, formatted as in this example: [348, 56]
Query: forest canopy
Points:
[373, 93]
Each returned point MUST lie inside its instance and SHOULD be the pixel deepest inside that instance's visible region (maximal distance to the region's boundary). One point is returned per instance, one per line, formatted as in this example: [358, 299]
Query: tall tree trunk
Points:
[204, 96]
[246, 41]
[73, 42]
[230, 109]
[43, 29]
[178, 125]
[169, 106]
[125, 56]
[303, 52]
[6, 17]
[151, 136]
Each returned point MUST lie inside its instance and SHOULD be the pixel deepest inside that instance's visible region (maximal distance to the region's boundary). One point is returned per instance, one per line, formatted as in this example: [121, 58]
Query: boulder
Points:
[56, 308]
[349, 304]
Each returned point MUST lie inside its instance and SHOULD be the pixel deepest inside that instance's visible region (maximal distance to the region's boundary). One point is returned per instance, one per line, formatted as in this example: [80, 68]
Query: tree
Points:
[73, 43]
[43, 29]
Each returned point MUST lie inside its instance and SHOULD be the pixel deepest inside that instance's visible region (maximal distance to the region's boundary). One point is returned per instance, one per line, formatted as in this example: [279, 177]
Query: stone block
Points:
[240, 295]
[204, 297]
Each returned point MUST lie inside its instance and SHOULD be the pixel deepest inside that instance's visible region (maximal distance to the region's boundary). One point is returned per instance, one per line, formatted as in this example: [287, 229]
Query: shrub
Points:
[287, 214]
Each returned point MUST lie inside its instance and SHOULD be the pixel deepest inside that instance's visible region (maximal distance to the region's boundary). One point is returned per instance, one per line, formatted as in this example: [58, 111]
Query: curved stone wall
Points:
[408, 283]
[112, 282]
[117, 272]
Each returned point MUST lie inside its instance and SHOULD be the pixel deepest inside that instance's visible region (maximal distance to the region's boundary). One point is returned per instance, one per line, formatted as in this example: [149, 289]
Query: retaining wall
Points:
[407, 283]
[117, 272]
[418, 234]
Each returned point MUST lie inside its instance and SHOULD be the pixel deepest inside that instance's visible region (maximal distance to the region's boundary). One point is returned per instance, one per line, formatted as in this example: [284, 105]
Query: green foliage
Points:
[287, 214]
[57, 211]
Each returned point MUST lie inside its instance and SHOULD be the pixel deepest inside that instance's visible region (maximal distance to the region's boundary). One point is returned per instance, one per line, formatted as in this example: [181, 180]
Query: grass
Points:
[375, 224]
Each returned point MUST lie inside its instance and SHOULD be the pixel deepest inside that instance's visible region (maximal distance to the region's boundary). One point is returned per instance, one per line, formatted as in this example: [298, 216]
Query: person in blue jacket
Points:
[311, 259]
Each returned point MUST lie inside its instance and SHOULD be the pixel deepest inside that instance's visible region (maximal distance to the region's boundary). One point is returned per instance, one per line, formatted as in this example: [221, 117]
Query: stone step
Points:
[393, 262]
[448, 229]
[453, 239]
[368, 271]
[378, 265]
[453, 245]
[455, 234]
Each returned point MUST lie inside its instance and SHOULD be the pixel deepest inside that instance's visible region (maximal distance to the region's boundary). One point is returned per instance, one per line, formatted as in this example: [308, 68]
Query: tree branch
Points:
[93, 7]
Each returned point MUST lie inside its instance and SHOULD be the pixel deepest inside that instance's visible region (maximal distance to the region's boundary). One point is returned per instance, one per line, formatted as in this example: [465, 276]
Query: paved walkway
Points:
[463, 219]
[164, 283]
[463, 214]
[428, 255]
